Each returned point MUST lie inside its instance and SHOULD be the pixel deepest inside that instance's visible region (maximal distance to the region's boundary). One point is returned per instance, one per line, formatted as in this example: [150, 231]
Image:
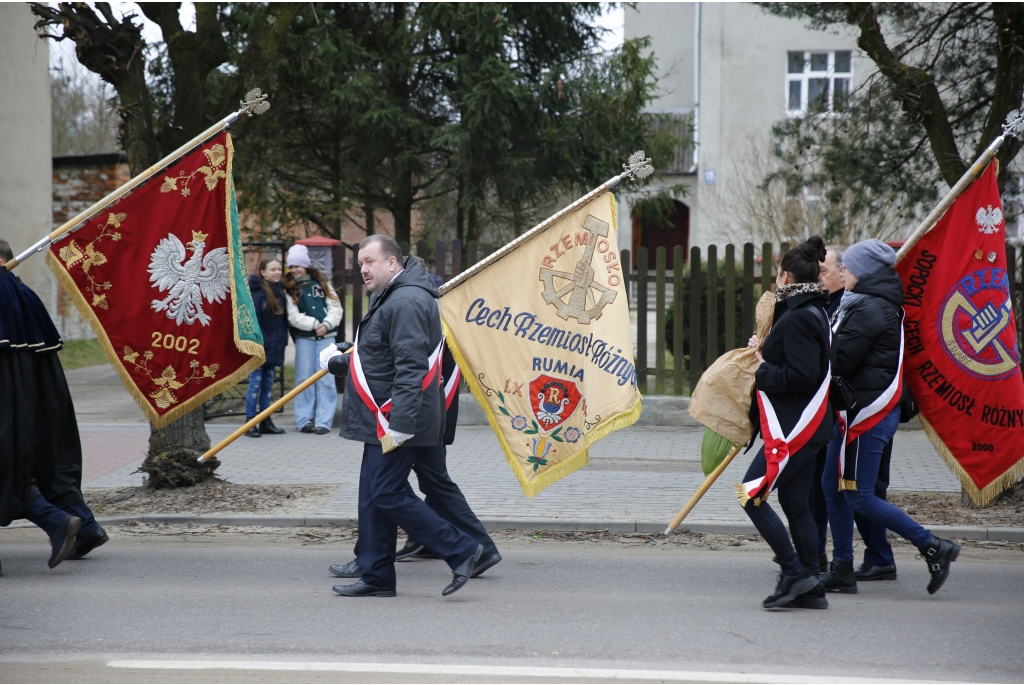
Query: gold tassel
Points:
[847, 485]
[387, 443]
[741, 494]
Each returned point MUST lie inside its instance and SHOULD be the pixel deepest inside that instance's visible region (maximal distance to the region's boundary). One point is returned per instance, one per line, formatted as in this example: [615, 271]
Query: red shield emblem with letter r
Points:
[553, 400]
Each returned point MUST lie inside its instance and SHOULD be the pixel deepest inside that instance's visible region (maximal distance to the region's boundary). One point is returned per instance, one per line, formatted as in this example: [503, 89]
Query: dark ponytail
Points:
[803, 262]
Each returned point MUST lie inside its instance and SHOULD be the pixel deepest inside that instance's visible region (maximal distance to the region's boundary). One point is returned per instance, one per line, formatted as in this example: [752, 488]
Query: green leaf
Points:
[504, 411]
[501, 397]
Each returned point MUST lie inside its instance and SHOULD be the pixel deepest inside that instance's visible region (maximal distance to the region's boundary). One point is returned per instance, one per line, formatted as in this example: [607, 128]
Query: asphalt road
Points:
[242, 610]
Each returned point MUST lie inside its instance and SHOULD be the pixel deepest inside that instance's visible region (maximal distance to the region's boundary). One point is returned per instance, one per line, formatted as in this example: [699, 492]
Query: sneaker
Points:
[939, 555]
[839, 577]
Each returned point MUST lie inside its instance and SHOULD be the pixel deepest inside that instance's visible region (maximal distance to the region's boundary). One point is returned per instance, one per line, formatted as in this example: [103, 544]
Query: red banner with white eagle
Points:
[962, 360]
[161, 278]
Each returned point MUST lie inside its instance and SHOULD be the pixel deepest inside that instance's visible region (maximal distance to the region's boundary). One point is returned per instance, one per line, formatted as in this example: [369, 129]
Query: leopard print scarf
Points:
[791, 289]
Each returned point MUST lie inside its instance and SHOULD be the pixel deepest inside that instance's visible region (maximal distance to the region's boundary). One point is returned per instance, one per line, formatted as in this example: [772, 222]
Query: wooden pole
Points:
[255, 103]
[263, 415]
[708, 482]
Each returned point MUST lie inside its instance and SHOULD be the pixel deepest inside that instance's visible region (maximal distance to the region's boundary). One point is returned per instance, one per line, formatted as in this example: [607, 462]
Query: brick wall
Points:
[78, 182]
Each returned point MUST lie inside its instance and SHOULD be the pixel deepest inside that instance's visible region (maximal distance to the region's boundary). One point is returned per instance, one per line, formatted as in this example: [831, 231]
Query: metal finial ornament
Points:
[255, 102]
[1014, 125]
[638, 167]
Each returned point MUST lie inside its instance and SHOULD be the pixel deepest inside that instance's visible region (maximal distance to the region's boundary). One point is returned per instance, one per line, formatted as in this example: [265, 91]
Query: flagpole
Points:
[265, 414]
[255, 102]
[636, 168]
[1014, 126]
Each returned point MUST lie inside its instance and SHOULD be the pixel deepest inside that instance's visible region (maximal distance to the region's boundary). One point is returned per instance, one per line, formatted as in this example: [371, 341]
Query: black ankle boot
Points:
[939, 555]
[267, 427]
[253, 432]
[822, 562]
[839, 578]
[813, 599]
[788, 589]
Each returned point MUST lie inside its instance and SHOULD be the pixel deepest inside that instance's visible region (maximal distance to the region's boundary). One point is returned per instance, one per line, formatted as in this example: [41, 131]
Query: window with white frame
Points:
[818, 81]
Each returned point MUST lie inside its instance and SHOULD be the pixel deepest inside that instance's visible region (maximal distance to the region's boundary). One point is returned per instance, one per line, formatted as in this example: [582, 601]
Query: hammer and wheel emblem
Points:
[577, 295]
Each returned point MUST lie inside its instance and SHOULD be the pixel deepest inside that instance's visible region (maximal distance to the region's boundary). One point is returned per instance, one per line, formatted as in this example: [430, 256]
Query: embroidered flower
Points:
[519, 422]
[541, 448]
[571, 434]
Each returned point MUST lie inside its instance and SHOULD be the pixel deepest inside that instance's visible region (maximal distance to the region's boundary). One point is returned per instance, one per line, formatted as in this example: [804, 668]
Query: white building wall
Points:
[25, 145]
[741, 60]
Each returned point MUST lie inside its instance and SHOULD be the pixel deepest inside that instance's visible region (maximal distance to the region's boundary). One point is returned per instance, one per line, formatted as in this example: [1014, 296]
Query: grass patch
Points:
[78, 354]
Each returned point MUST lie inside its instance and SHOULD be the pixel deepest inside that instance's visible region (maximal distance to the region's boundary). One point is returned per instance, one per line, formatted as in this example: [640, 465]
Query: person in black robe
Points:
[41, 473]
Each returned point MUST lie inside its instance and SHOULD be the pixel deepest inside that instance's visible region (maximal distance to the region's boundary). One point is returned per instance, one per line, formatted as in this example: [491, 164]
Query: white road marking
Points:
[494, 671]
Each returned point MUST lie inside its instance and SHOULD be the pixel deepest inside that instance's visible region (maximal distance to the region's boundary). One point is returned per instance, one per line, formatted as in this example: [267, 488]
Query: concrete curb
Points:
[995, 533]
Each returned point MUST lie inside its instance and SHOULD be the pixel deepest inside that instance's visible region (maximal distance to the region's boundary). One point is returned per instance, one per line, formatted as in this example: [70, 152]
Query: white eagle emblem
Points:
[989, 219]
[190, 282]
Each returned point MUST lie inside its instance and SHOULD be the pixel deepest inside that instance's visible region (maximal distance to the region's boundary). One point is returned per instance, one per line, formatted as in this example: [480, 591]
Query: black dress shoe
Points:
[62, 541]
[868, 572]
[462, 574]
[308, 428]
[84, 545]
[813, 599]
[320, 430]
[349, 570]
[254, 432]
[362, 589]
[839, 578]
[788, 589]
[411, 551]
[940, 555]
[485, 564]
[267, 426]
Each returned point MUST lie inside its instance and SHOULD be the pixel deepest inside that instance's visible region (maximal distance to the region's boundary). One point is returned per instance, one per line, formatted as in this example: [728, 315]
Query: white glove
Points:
[328, 352]
[399, 438]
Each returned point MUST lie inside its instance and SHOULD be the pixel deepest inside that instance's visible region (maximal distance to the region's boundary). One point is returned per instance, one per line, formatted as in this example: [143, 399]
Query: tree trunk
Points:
[371, 219]
[188, 432]
[460, 214]
[402, 207]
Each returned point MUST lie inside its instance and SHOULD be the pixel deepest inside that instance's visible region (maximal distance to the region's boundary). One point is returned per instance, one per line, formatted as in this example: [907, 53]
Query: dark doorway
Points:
[653, 237]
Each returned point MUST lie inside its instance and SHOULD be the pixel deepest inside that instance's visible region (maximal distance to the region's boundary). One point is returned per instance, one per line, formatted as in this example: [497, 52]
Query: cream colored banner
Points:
[544, 342]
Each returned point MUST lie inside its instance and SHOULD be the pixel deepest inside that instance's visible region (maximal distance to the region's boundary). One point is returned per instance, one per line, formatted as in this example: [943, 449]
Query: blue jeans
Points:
[257, 397]
[863, 500]
[317, 402]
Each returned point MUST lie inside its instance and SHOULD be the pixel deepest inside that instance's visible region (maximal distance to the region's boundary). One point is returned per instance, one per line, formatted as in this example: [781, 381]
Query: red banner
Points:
[963, 363]
[160, 277]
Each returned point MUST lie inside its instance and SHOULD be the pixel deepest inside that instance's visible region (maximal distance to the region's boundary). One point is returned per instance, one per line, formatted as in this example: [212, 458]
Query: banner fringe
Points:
[980, 496]
[244, 346]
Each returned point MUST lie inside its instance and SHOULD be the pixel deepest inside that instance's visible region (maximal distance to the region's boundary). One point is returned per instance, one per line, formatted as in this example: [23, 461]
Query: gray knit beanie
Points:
[868, 256]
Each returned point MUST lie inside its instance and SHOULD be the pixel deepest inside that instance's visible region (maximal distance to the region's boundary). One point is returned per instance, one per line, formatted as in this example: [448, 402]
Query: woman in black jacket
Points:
[269, 299]
[868, 355]
[792, 411]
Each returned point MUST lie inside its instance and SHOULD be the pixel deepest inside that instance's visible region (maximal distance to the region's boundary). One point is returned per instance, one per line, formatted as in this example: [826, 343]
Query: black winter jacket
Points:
[796, 357]
[274, 328]
[866, 338]
[396, 337]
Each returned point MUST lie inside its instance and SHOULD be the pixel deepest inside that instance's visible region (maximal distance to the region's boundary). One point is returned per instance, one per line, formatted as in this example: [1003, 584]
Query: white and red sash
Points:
[869, 417]
[383, 410]
[778, 446]
[451, 386]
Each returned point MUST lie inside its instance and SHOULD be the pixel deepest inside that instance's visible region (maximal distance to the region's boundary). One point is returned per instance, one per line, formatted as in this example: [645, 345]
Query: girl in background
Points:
[269, 299]
[314, 312]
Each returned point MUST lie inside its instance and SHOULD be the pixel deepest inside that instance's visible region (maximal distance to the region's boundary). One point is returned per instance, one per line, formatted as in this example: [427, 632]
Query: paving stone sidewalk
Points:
[636, 474]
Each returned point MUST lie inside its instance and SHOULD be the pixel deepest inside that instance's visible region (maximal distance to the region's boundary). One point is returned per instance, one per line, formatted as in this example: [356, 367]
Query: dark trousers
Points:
[877, 550]
[445, 497]
[793, 488]
[386, 500]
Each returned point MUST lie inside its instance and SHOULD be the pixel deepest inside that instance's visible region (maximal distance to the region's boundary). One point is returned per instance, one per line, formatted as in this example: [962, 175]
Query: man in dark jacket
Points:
[396, 362]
